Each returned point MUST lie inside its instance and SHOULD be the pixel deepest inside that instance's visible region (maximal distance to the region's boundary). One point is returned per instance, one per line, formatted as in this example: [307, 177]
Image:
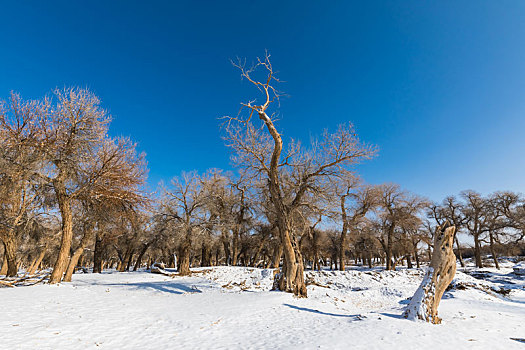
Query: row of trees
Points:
[59, 167]
[72, 196]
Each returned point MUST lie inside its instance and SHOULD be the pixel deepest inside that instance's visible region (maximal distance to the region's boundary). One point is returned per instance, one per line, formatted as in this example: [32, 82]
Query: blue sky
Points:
[439, 86]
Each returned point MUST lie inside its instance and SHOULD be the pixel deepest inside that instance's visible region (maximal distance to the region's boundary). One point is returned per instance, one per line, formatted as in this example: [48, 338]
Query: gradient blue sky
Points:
[439, 86]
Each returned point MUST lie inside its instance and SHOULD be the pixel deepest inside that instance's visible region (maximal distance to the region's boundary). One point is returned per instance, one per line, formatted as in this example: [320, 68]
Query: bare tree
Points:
[182, 207]
[396, 209]
[355, 202]
[20, 159]
[260, 150]
[84, 162]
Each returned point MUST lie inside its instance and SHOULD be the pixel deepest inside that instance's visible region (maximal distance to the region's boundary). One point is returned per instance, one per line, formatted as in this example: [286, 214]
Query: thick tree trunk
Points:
[78, 253]
[205, 254]
[184, 261]
[291, 277]
[97, 255]
[10, 254]
[145, 247]
[424, 304]
[64, 204]
[73, 263]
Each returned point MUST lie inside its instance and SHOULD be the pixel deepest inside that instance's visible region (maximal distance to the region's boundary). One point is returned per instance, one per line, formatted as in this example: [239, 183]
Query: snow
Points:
[234, 308]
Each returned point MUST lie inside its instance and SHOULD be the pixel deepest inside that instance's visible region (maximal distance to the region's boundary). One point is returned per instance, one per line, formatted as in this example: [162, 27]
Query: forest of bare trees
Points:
[73, 198]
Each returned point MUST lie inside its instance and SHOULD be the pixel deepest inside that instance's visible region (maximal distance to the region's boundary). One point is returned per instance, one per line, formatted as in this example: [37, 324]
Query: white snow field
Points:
[233, 308]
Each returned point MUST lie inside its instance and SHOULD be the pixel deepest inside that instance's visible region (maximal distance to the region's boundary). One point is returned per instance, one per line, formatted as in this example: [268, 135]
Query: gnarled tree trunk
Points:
[424, 304]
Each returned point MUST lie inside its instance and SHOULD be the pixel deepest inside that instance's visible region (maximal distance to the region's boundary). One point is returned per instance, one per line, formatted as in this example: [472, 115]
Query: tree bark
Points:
[205, 254]
[277, 254]
[477, 251]
[184, 260]
[291, 278]
[10, 255]
[97, 255]
[424, 304]
[3, 270]
[77, 254]
[145, 247]
[64, 203]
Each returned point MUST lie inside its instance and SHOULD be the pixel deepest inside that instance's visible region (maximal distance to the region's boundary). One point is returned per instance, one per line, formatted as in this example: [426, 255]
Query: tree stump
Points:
[424, 304]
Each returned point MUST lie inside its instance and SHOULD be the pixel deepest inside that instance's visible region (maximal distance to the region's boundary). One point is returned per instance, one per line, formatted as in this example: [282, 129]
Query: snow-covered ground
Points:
[233, 308]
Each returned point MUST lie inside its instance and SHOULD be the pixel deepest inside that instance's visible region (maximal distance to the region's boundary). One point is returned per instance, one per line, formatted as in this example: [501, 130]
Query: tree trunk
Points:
[10, 254]
[64, 204]
[78, 253]
[277, 254]
[460, 256]
[37, 261]
[389, 242]
[477, 251]
[291, 277]
[184, 260]
[205, 255]
[416, 256]
[424, 304]
[97, 255]
[235, 248]
[492, 250]
[73, 263]
[3, 271]
[226, 245]
[130, 259]
[141, 255]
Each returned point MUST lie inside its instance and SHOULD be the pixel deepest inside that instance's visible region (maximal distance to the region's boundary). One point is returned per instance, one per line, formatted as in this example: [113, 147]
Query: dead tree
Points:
[424, 304]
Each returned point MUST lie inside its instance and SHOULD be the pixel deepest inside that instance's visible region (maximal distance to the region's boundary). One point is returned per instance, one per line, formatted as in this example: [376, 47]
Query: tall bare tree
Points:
[262, 151]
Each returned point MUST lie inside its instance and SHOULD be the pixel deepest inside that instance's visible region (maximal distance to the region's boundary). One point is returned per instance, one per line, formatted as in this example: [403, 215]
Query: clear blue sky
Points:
[439, 86]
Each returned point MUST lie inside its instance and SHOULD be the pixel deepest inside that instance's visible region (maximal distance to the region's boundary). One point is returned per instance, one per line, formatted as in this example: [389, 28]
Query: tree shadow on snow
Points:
[166, 287]
[354, 317]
